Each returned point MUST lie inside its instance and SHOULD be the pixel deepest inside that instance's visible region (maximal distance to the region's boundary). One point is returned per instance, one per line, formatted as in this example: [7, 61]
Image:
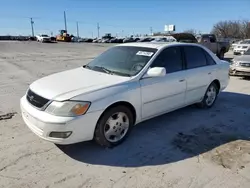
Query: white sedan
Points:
[43, 38]
[241, 47]
[125, 85]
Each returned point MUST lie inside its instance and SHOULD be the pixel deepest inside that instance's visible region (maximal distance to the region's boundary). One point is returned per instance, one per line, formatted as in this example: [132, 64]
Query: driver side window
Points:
[170, 58]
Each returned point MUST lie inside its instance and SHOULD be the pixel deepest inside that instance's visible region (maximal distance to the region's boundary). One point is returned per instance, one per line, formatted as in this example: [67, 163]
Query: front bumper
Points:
[42, 124]
[239, 51]
[239, 71]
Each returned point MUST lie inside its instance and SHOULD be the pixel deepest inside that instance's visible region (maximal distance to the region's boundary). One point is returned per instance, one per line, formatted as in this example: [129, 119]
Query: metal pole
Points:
[65, 21]
[32, 28]
[77, 29]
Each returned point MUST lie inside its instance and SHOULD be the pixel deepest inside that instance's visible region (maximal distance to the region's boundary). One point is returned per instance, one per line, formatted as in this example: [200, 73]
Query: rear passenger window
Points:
[194, 57]
[210, 60]
[170, 59]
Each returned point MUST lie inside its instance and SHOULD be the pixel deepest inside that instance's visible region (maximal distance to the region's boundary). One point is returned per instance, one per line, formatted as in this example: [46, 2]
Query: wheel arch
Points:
[122, 103]
[217, 83]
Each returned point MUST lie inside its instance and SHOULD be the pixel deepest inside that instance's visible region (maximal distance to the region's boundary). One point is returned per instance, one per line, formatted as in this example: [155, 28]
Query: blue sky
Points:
[117, 16]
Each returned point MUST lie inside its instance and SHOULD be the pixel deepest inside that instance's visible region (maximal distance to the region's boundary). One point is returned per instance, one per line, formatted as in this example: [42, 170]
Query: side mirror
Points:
[155, 72]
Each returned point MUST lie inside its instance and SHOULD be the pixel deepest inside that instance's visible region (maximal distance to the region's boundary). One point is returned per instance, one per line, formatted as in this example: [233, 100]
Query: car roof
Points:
[157, 45]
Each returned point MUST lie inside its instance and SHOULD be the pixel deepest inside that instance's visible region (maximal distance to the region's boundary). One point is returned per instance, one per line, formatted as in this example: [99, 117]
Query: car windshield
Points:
[245, 42]
[44, 35]
[122, 60]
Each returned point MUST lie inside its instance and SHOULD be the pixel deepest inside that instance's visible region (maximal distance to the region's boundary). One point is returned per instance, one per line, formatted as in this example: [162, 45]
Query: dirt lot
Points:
[186, 148]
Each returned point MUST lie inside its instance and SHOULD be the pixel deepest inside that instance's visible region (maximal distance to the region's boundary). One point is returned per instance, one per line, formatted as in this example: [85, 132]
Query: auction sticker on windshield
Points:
[149, 54]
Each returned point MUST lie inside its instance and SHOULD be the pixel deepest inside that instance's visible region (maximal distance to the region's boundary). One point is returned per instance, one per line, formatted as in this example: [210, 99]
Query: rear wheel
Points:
[221, 54]
[114, 126]
[209, 97]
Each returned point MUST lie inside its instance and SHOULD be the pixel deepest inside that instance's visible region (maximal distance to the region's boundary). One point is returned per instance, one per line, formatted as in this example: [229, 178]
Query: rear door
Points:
[198, 74]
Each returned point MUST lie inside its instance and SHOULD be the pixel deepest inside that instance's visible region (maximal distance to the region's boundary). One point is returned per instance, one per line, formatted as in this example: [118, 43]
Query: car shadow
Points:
[176, 136]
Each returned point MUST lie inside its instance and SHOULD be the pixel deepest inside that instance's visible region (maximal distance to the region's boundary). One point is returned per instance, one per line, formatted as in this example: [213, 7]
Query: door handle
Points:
[182, 80]
[209, 73]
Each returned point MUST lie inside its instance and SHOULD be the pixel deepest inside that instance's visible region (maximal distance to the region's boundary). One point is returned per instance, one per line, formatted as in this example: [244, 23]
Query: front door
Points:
[163, 94]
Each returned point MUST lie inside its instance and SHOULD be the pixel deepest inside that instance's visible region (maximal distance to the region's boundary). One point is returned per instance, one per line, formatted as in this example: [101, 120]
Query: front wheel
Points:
[114, 126]
[209, 97]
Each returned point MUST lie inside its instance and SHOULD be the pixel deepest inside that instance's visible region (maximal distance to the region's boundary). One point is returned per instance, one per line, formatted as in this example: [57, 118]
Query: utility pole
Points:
[151, 31]
[98, 30]
[65, 21]
[77, 30]
[32, 27]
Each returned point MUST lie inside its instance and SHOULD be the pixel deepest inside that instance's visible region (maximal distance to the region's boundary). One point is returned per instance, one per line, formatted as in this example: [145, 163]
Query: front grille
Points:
[245, 64]
[35, 99]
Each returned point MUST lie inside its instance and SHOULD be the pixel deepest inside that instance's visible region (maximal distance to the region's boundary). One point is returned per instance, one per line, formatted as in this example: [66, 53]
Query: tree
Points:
[232, 29]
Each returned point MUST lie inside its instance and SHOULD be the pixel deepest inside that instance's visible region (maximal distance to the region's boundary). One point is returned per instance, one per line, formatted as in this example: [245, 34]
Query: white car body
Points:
[43, 38]
[241, 47]
[149, 97]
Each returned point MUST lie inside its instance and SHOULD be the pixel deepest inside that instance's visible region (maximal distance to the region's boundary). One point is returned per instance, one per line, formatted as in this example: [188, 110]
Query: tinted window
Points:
[169, 58]
[194, 57]
[210, 60]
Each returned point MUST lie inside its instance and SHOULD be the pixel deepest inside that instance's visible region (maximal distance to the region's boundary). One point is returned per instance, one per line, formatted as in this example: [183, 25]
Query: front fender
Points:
[102, 99]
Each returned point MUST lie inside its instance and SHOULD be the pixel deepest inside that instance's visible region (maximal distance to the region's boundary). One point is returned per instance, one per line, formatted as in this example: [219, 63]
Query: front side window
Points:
[122, 60]
[194, 57]
[170, 59]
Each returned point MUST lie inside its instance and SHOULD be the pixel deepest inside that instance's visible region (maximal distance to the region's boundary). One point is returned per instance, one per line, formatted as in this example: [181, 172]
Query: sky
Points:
[119, 17]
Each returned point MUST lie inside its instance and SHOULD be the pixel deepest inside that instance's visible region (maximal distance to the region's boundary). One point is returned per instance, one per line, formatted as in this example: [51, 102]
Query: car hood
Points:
[68, 84]
[243, 58]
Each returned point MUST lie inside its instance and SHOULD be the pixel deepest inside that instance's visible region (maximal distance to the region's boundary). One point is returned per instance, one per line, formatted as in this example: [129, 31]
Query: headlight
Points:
[235, 63]
[68, 108]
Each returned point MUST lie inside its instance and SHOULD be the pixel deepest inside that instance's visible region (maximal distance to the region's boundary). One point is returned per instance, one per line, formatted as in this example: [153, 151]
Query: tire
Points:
[221, 54]
[123, 127]
[205, 102]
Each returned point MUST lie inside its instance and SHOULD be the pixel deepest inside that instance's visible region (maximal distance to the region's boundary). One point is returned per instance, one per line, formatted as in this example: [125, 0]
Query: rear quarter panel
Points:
[222, 73]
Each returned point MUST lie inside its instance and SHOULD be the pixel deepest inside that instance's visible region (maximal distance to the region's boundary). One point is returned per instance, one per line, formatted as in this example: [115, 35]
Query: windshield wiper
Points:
[104, 69]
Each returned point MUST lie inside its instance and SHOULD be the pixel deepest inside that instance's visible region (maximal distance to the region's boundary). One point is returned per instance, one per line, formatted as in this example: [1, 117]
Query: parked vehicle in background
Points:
[125, 85]
[43, 38]
[63, 36]
[210, 41]
[53, 39]
[116, 40]
[146, 39]
[32, 38]
[239, 42]
[95, 40]
[164, 39]
[240, 65]
[128, 39]
[241, 47]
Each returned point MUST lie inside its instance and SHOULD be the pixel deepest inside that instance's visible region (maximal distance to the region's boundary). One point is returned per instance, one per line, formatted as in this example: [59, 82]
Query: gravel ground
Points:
[186, 148]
